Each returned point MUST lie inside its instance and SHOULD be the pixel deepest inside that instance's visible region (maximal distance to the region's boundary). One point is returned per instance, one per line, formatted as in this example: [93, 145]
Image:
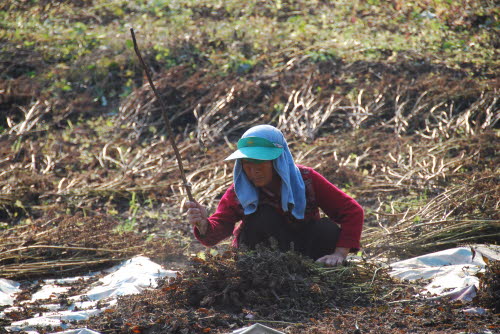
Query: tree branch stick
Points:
[165, 118]
[187, 186]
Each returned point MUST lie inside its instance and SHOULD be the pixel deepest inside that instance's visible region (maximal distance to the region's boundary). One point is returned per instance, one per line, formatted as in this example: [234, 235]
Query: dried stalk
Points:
[65, 248]
[304, 115]
[31, 118]
[437, 223]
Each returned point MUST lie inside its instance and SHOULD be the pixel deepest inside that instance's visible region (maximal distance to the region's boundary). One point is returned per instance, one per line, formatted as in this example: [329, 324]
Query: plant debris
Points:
[489, 287]
[67, 245]
[285, 291]
[262, 284]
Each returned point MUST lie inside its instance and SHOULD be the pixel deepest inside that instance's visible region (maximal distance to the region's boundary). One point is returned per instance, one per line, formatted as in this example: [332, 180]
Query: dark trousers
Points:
[311, 238]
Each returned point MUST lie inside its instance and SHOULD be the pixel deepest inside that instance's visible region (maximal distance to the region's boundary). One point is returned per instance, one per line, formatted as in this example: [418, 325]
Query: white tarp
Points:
[8, 290]
[129, 277]
[256, 329]
[79, 331]
[453, 272]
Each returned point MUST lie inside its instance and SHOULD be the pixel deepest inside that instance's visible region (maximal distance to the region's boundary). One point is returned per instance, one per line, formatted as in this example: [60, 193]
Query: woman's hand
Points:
[335, 259]
[197, 216]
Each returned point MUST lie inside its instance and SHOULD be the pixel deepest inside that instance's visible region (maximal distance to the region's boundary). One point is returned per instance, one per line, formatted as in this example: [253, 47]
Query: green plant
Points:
[126, 226]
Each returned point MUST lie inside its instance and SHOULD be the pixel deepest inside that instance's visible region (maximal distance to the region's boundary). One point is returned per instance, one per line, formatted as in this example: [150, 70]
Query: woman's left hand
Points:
[335, 259]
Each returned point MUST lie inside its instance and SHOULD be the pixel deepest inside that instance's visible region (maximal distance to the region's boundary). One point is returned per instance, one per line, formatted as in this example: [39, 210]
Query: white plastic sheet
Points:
[129, 277]
[8, 289]
[453, 272]
[79, 331]
[256, 329]
[48, 291]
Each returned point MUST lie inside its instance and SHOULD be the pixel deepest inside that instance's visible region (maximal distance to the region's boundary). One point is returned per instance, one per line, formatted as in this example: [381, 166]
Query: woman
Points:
[276, 199]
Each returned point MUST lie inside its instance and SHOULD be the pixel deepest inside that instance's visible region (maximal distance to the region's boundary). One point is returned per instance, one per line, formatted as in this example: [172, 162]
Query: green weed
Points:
[92, 52]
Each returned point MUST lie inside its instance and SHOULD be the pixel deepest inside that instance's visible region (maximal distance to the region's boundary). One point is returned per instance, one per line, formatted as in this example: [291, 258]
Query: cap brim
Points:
[257, 153]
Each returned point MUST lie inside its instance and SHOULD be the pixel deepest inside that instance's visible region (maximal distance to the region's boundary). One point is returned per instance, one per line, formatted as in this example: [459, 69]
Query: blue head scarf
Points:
[293, 194]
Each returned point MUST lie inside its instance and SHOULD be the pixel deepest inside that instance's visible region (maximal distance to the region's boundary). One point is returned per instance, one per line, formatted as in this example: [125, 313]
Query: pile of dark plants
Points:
[235, 287]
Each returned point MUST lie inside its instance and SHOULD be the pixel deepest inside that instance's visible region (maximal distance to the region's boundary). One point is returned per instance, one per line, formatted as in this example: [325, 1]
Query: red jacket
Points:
[320, 193]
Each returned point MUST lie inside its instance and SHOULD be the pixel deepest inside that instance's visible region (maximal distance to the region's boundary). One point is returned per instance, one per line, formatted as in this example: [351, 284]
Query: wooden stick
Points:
[186, 184]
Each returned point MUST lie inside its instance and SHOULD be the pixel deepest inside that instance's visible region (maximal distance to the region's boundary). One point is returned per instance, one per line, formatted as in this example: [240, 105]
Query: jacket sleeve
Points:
[222, 222]
[342, 209]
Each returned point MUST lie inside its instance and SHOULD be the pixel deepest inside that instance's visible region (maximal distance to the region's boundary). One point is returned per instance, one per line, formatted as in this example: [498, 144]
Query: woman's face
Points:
[260, 174]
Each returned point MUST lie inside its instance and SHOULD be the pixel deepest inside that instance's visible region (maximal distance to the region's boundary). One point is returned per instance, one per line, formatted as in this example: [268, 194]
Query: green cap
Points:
[256, 148]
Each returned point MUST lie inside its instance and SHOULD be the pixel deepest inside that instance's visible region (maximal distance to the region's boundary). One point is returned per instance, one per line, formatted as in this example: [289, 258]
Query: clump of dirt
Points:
[489, 287]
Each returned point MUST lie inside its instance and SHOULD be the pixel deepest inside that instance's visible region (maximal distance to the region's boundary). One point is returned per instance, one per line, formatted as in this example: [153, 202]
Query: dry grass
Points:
[421, 161]
[65, 245]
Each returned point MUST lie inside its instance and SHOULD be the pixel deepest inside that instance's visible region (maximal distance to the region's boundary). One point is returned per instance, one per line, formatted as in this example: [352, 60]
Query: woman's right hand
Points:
[197, 216]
